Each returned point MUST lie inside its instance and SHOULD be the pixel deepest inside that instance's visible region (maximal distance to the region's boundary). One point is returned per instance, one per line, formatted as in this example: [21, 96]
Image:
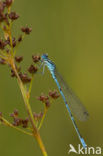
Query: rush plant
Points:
[8, 56]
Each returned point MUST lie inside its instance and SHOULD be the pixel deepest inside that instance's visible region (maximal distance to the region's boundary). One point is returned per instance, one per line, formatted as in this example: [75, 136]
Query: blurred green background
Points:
[71, 32]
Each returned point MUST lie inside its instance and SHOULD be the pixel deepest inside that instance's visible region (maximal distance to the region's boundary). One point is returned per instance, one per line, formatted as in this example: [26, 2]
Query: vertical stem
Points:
[29, 111]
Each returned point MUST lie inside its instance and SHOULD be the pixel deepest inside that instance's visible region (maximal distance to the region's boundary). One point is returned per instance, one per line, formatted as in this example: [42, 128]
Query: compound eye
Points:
[45, 56]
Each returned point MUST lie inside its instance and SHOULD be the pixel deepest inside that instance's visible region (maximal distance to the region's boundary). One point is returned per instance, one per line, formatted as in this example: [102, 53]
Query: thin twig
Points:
[42, 120]
[7, 123]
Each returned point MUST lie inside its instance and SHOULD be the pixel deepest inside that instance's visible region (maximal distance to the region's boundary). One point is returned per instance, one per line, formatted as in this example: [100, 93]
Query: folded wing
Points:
[73, 101]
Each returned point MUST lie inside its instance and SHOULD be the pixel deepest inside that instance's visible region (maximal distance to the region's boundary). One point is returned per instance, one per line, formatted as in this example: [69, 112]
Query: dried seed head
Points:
[16, 112]
[12, 115]
[47, 103]
[32, 69]
[13, 16]
[20, 38]
[8, 3]
[6, 18]
[24, 78]
[54, 94]
[17, 121]
[26, 30]
[7, 42]
[2, 44]
[13, 73]
[2, 61]
[18, 58]
[43, 98]
[25, 123]
[2, 7]
[36, 58]
[14, 44]
[2, 17]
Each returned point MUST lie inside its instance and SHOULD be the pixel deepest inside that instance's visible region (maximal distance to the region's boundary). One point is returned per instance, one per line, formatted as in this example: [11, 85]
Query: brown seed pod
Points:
[26, 30]
[16, 112]
[8, 3]
[2, 44]
[54, 94]
[32, 69]
[13, 16]
[43, 98]
[20, 38]
[17, 121]
[36, 58]
[24, 78]
[18, 58]
[2, 61]
[25, 123]
[47, 103]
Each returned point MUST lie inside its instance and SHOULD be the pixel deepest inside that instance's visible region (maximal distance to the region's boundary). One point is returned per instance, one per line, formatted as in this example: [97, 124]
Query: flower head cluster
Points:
[46, 99]
[7, 17]
[8, 56]
[17, 121]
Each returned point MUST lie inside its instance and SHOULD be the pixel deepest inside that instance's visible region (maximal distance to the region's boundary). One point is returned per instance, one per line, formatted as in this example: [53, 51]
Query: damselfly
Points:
[72, 102]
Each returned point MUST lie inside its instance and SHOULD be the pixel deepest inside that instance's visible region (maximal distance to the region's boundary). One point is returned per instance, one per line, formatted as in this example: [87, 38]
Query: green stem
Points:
[29, 111]
[42, 120]
[7, 123]
[30, 87]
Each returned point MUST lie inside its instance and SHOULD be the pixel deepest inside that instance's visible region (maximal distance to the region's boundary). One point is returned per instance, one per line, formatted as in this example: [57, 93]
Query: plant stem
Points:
[42, 120]
[29, 111]
[6, 123]
[30, 87]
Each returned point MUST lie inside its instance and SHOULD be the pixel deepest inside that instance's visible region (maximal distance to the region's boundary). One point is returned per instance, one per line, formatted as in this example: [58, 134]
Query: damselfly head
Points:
[44, 57]
[48, 62]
